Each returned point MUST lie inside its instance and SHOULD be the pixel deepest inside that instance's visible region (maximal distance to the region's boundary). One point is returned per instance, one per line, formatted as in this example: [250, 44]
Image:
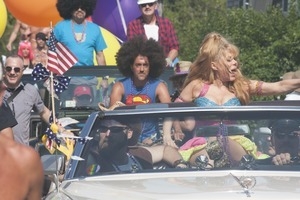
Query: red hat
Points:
[82, 90]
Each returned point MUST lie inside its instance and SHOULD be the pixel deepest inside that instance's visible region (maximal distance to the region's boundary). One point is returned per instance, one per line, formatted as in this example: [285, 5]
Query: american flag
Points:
[60, 58]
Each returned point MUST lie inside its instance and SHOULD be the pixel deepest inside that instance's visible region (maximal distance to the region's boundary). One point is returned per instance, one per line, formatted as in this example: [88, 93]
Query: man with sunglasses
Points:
[285, 141]
[21, 98]
[109, 149]
[80, 35]
[20, 165]
[151, 25]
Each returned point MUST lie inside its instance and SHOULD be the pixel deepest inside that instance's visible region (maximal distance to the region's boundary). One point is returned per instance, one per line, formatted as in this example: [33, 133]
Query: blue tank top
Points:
[143, 95]
[202, 101]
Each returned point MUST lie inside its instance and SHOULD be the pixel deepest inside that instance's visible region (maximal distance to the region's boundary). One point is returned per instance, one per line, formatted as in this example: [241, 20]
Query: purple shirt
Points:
[166, 32]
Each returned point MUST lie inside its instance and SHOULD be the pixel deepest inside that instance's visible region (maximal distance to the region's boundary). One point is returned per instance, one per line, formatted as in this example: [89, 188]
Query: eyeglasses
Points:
[290, 135]
[145, 4]
[113, 129]
[83, 9]
[9, 69]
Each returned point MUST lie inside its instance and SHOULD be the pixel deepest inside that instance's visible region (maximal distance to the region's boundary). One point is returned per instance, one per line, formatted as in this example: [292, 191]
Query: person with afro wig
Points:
[80, 35]
[142, 61]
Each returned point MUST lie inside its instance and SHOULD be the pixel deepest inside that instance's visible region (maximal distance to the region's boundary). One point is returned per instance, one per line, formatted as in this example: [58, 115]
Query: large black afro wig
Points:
[66, 7]
[140, 46]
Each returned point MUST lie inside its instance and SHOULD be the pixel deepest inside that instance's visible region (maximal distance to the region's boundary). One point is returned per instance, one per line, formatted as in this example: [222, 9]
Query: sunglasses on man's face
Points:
[9, 69]
[145, 4]
[77, 8]
[113, 129]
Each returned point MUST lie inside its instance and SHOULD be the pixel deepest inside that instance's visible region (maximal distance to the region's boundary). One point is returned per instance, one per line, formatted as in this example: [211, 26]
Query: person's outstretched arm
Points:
[13, 35]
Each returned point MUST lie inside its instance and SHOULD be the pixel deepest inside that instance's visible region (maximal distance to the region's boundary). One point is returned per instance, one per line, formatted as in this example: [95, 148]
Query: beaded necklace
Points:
[222, 137]
[78, 39]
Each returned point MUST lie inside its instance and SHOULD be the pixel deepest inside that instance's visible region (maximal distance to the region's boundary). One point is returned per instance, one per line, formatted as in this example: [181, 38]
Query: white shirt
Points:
[151, 31]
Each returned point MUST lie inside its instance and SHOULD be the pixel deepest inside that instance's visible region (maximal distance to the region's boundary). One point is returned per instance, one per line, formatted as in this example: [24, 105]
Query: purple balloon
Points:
[108, 14]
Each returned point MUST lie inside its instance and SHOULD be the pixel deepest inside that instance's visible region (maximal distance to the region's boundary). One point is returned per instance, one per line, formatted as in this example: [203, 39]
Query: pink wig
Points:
[25, 45]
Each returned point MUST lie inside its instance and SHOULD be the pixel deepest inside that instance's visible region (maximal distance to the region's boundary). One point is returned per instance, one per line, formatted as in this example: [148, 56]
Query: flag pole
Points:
[56, 179]
[122, 16]
[52, 88]
[52, 97]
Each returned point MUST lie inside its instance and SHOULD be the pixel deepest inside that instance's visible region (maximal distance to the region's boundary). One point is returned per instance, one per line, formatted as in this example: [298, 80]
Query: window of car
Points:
[249, 126]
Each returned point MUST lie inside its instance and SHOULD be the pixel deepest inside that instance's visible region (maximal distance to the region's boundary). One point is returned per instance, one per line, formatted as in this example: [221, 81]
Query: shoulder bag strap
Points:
[15, 93]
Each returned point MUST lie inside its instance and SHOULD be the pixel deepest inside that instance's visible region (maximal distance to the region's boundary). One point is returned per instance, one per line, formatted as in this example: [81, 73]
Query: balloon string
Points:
[122, 17]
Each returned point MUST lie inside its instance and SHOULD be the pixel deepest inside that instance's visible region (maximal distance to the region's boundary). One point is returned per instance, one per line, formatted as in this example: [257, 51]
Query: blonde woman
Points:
[215, 79]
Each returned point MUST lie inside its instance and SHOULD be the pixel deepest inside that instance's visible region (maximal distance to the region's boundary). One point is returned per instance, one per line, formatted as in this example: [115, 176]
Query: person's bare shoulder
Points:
[191, 91]
[25, 156]
[163, 93]
[118, 86]
[22, 168]
[117, 89]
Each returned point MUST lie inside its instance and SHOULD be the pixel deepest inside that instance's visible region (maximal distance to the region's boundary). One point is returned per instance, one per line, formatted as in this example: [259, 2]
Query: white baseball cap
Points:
[139, 2]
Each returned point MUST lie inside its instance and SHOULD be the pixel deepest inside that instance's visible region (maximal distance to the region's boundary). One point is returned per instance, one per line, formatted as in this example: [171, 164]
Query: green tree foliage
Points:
[269, 41]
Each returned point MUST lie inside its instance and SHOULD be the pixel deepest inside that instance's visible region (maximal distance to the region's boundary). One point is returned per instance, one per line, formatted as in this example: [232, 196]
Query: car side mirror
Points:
[53, 164]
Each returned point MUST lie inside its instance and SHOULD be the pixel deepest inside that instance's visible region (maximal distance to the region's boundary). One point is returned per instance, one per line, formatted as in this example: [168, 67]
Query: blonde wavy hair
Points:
[213, 49]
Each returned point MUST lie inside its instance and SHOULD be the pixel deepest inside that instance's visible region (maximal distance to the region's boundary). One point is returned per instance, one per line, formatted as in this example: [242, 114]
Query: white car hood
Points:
[187, 185]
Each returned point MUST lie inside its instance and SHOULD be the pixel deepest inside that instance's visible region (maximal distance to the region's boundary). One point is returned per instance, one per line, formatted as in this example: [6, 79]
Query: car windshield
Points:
[260, 133]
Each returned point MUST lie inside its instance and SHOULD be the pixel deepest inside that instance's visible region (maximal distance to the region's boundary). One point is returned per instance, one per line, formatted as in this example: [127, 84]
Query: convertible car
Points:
[263, 130]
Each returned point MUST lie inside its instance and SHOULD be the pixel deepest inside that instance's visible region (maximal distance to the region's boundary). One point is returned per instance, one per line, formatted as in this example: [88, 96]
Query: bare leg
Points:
[156, 152]
[171, 155]
[164, 153]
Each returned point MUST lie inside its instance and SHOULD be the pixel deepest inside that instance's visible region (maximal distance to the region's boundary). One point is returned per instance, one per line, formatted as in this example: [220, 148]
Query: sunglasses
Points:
[145, 4]
[79, 7]
[9, 69]
[291, 135]
[113, 129]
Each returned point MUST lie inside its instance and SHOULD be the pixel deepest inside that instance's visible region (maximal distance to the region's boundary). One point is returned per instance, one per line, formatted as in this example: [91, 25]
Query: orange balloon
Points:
[38, 13]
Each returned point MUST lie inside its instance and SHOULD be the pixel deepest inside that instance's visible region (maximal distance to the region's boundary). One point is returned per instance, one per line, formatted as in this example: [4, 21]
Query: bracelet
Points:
[258, 87]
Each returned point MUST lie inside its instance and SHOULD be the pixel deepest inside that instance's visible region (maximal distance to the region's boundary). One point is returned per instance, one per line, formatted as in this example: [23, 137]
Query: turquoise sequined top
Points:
[202, 101]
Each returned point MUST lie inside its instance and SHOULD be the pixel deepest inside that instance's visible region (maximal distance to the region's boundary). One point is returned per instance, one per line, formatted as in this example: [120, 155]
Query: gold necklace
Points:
[77, 37]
